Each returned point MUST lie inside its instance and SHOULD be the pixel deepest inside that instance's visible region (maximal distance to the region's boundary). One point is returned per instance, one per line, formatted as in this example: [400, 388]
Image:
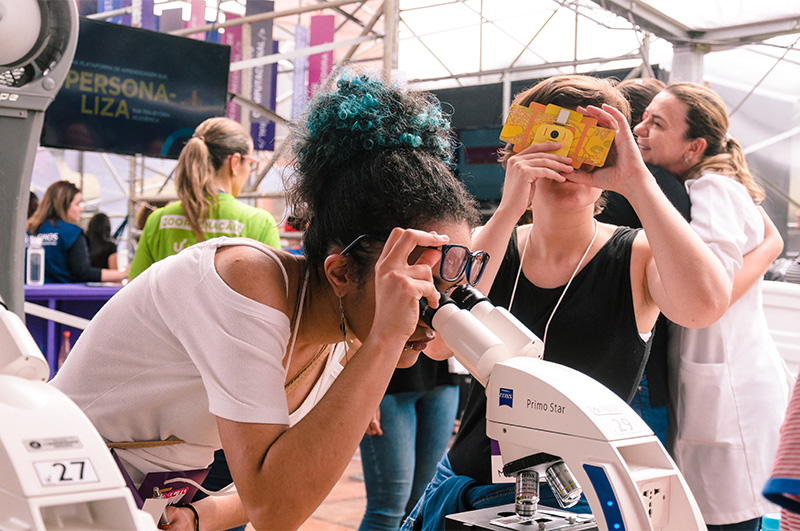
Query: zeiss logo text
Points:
[506, 397]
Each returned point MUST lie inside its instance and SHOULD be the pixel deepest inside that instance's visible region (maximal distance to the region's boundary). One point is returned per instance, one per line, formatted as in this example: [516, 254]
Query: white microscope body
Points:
[542, 413]
[55, 470]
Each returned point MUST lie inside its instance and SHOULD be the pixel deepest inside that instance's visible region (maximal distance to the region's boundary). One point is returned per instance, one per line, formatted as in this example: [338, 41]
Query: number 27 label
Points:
[65, 472]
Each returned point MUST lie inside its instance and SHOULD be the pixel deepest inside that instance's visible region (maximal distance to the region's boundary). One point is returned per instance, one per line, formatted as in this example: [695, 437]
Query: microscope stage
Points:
[503, 517]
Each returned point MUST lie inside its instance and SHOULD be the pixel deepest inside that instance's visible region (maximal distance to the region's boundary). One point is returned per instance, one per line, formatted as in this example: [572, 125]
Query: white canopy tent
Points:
[746, 50]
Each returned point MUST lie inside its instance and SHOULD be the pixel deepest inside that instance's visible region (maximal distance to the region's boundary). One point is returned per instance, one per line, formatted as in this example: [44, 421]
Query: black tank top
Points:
[593, 331]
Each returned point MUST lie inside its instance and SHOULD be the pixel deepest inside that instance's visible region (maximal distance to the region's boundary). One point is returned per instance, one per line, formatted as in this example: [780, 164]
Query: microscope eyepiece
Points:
[426, 313]
[466, 297]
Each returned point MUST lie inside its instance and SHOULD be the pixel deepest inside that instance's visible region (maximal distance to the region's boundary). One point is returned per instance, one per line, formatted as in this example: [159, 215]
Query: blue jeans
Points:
[749, 525]
[655, 417]
[417, 427]
[449, 494]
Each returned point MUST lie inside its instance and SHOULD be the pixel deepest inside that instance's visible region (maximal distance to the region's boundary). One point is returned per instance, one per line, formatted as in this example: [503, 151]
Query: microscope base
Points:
[502, 517]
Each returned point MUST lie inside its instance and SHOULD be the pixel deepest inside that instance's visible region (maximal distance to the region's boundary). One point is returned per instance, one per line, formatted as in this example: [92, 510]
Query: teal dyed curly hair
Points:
[365, 115]
[371, 156]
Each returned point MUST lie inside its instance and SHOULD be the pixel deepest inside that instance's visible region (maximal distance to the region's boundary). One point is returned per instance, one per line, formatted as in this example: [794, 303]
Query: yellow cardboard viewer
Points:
[582, 140]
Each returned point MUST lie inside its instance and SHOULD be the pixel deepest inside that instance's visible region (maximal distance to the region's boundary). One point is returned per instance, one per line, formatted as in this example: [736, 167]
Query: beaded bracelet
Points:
[191, 508]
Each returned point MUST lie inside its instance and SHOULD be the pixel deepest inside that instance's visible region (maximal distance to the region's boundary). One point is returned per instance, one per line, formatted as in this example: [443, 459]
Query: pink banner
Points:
[320, 65]
[197, 18]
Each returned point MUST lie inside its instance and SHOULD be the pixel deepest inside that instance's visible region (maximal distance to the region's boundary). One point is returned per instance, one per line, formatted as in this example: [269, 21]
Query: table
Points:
[81, 300]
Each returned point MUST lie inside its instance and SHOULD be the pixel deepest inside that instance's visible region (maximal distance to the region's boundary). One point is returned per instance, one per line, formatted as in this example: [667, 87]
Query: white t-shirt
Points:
[172, 351]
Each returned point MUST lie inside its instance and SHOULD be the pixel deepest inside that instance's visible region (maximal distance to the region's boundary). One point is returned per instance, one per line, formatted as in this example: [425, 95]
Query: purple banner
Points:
[110, 5]
[233, 38]
[300, 74]
[320, 64]
[148, 17]
[262, 78]
[262, 129]
[170, 19]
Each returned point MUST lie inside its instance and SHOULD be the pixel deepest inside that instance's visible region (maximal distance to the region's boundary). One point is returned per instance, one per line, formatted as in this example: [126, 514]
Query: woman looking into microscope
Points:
[232, 344]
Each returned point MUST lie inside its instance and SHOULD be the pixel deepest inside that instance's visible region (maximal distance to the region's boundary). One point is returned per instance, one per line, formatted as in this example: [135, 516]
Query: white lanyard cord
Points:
[571, 278]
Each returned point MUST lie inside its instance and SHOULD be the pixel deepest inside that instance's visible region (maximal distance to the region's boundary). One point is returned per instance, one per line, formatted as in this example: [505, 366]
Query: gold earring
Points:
[343, 328]
[342, 325]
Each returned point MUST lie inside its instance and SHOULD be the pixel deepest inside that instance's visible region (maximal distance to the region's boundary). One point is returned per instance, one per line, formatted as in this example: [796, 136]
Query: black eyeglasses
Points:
[361, 238]
[456, 261]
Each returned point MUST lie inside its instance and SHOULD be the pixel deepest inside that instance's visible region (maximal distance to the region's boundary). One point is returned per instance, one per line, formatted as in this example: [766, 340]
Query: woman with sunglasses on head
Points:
[590, 291]
[212, 168]
[231, 344]
[728, 386]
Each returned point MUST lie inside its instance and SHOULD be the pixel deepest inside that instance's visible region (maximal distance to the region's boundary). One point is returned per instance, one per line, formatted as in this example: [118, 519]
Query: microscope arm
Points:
[480, 333]
[626, 474]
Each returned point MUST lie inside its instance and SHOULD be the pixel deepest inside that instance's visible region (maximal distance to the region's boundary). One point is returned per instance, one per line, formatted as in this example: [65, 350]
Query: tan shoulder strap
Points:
[143, 444]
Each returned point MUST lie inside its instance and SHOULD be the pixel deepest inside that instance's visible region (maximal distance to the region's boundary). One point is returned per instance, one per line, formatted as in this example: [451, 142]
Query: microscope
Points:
[55, 469]
[553, 422]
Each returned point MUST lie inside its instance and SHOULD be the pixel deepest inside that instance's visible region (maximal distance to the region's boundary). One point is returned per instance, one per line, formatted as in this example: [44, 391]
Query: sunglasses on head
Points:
[253, 162]
[457, 260]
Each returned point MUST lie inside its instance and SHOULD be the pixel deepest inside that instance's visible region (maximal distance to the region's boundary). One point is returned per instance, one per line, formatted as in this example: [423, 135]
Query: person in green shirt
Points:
[212, 169]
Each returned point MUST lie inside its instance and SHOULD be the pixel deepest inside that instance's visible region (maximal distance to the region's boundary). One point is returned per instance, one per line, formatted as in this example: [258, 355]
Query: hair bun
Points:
[364, 114]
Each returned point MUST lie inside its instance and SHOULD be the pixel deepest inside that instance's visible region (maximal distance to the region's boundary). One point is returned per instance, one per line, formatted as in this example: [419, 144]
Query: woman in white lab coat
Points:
[729, 389]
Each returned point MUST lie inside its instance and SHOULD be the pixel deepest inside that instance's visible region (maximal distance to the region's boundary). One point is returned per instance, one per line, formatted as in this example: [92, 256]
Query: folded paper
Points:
[581, 138]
